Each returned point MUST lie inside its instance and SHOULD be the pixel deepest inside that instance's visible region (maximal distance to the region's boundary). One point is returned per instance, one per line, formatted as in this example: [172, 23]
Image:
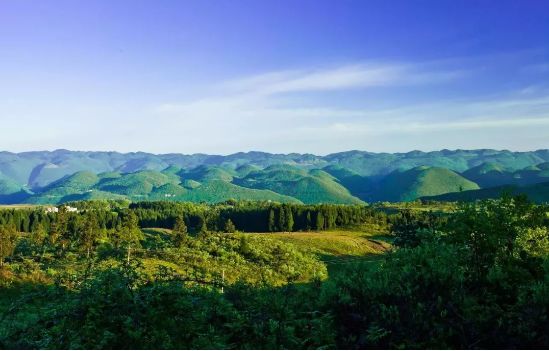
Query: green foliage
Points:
[410, 227]
[229, 226]
[534, 241]
[130, 234]
[406, 304]
[179, 232]
[475, 278]
[89, 232]
[8, 237]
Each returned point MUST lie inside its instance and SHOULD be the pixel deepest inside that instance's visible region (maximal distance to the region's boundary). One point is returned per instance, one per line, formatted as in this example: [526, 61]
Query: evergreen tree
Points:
[130, 233]
[282, 219]
[319, 221]
[58, 237]
[308, 221]
[229, 226]
[202, 225]
[179, 232]
[271, 226]
[289, 219]
[89, 232]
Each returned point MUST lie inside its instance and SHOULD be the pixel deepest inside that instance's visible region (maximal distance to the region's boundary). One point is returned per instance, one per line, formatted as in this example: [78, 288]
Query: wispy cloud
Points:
[264, 111]
[257, 96]
[344, 77]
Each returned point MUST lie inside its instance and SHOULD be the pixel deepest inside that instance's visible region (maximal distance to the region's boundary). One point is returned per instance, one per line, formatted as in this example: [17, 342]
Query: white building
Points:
[54, 209]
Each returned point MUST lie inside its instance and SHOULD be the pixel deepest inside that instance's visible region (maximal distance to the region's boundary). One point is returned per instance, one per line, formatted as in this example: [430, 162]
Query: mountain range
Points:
[352, 177]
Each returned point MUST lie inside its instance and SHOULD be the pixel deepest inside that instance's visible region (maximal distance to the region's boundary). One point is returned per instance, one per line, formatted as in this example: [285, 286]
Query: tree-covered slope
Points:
[214, 191]
[314, 186]
[421, 181]
[490, 175]
[11, 192]
[40, 168]
[347, 177]
[536, 192]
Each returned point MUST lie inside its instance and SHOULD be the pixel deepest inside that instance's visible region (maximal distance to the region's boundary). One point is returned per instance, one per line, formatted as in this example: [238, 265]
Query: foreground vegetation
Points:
[476, 277]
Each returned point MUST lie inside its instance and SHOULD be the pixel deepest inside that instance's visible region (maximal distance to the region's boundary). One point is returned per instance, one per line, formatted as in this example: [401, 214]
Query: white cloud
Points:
[337, 78]
[249, 113]
[267, 112]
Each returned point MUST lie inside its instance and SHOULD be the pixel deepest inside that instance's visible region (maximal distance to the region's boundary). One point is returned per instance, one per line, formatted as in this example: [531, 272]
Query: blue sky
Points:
[279, 76]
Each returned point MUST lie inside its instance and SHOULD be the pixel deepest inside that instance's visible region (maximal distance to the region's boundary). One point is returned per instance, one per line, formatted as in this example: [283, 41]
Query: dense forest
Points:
[115, 274]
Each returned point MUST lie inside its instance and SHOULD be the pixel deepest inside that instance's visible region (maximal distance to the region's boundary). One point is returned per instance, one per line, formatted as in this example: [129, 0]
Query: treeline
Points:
[117, 226]
[256, 217]
[246, 216]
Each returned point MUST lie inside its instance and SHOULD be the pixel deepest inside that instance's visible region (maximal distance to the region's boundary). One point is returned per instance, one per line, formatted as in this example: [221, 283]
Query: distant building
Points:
[53, 209]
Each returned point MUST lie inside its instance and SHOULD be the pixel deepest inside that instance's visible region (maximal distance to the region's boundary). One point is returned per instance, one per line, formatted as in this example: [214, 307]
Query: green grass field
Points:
[338, 248]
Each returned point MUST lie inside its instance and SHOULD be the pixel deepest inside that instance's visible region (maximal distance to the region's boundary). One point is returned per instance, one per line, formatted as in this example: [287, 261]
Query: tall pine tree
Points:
[271, 226]
[179, 232]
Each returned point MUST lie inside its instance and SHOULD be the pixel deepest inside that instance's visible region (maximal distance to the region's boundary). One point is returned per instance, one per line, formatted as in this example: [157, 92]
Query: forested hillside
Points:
[352, 177]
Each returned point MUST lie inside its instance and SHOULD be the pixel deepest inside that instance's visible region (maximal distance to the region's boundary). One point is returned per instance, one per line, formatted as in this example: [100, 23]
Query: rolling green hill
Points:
[315, 186]
[488, 174]
[491, 175]
[11, 192]
[148, 185]
[40, 168]
[217, 191]
[357, 185]
[346, 178]
[140, 183]
[421, 181]
[537, 192]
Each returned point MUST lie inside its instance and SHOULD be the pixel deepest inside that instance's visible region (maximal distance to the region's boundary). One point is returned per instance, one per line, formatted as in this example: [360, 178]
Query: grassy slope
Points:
[335, 243]
[338, 248]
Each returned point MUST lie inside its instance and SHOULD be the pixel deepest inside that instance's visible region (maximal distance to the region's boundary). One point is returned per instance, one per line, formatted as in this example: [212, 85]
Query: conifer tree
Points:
[130, 233]
[89, 233]
[289, 219]
[229, 226]
[282, 219]
[179, 232]
[271, 226]
[319, 221]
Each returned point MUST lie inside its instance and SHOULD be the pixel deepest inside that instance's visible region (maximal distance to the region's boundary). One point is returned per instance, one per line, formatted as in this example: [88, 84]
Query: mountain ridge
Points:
[344, 177]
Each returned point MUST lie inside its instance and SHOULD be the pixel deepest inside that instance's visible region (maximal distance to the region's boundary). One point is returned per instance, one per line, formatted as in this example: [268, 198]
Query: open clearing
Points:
[335, 243]
[338, 248]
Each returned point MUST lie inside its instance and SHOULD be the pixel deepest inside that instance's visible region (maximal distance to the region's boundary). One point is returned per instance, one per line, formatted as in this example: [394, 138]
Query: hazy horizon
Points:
[267, 152]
